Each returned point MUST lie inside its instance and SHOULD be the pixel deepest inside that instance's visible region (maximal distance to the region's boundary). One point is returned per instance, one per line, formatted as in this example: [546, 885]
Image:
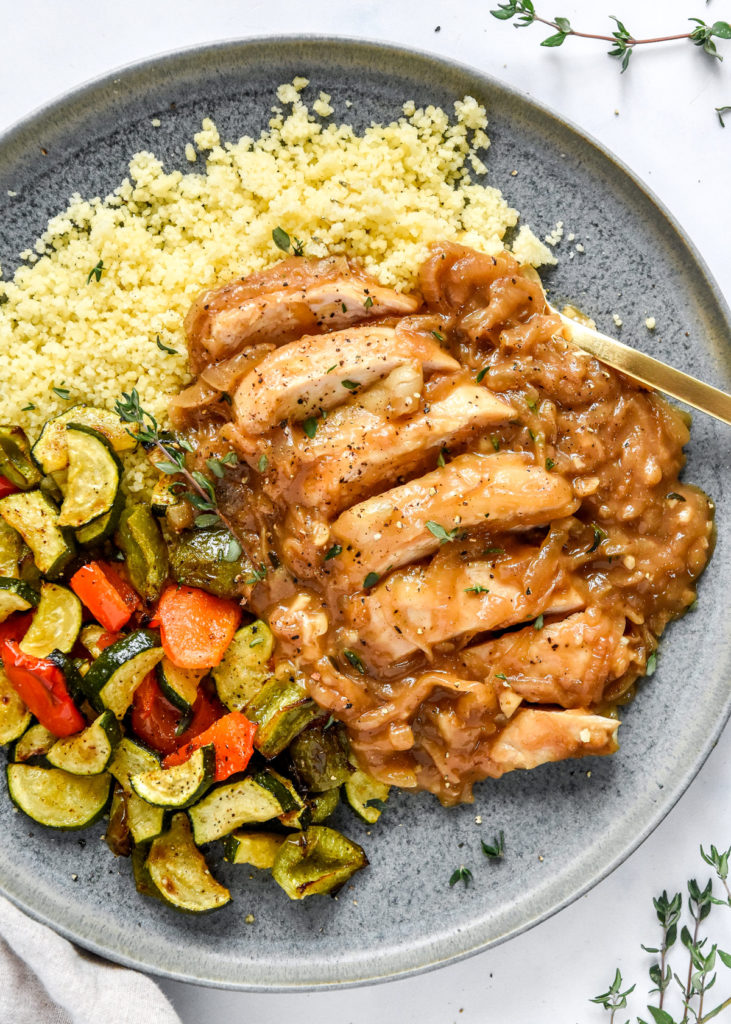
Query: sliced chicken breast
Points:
[357, 451]
[534, 737]
[321, 371]
[502, 491]
[422, 606]
[294, 297]
[568, 662]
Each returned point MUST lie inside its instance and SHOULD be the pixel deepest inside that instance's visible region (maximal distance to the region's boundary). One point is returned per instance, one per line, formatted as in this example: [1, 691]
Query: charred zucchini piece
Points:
[180, 786]
[11, 551]
[320, 757]
[298, 815]
[165, 494]
[179, 873]
[14, 715]
[90, 751]
[94, 476]
[15, 596]
[56, 624]
[118, 836]
[360, 790]
[90, 636]
[258, 798]
[16, 463]
[50, 451]
[131, 758]
[245, 666]
[281, 709]
[322, 805]
[71, 673]
[256, 848]
[180, 685]
[145, 551]
[118, 671]
[200, 559]
[35, 742]
[103, 528]
[315, 861]
[35, 518]
[54, 798]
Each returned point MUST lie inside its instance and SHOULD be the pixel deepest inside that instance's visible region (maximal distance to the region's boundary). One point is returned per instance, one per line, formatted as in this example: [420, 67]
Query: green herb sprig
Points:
[704, 958]
[201, 493]
[282, 241]
[443, 535]
[622, 40]
[462, 874]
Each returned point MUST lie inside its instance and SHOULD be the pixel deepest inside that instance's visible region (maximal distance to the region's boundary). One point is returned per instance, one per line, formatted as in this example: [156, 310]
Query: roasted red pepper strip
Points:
[15, 626]
[109, 598]
[6, 487]
[233, 738]
[155, 720]
[41, 686]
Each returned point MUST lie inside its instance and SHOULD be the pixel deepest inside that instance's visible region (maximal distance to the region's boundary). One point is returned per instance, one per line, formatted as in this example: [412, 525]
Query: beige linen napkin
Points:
[44, 979]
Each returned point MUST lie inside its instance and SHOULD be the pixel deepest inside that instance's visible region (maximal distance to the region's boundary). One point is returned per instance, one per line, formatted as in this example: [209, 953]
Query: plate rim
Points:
[438, 955]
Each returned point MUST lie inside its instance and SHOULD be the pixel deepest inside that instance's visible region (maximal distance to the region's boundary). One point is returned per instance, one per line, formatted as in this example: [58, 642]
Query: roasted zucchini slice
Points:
[180, 685]
[165, 494]
[131, 758]
[90, 751]
[90, 636]
[50, 450]
[56, 624]
[15, 596]
[322, 805]
[320, 756]
[244, 802]
[118, 671]
[14, 715]
[179, 872]
[11, 551]
[16, 463]
[35, 518]
[256, 848]
[117, 835]
[316, 861]
[180, 786]
[145, 550]
[244, 667]
[200, 559]
[53, 797]
[360, 790]
[35, 742]
[93, 479]
[101, 529]
[299, 814]
[281, 709]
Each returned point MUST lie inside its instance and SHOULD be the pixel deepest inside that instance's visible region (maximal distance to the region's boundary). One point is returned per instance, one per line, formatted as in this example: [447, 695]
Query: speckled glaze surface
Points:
[564, 829]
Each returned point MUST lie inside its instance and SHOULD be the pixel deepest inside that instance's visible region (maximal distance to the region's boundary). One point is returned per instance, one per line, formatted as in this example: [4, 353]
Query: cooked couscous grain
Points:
[163, 236]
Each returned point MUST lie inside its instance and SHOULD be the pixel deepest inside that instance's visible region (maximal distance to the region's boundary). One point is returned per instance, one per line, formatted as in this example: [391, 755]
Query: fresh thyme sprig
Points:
[462, 874]
[622, 40]
[282, 241]
[201, 493]
[703, 958]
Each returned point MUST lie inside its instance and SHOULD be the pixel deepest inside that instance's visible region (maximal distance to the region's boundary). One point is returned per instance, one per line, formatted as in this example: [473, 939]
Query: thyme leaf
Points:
[96, 272]
[462, 874]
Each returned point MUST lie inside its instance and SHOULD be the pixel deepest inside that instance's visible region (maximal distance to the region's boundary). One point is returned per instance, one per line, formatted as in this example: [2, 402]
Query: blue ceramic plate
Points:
[401, 916]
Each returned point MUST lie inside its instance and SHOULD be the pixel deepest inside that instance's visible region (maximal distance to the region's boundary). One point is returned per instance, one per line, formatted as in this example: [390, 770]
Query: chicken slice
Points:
[294, 297]
[502, 491]
[422, 606]
[319, 372]
[534, 737]
[355, 451]
[567, 662]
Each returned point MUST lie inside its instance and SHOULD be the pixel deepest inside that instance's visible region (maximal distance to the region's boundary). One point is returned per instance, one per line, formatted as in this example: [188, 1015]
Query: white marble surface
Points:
[659, 118]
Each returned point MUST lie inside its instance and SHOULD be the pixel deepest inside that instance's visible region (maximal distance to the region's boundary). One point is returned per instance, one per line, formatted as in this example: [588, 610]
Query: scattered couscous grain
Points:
[651, 323]
[163, 235]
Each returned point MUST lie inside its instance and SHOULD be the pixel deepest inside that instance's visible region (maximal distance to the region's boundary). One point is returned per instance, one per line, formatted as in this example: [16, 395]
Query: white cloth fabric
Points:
[44, 979]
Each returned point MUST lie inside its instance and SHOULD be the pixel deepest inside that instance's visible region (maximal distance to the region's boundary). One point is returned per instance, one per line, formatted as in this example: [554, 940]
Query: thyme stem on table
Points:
[622, 40]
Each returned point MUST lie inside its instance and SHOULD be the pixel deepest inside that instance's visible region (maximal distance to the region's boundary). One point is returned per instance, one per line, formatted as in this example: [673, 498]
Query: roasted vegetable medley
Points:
[132, 684]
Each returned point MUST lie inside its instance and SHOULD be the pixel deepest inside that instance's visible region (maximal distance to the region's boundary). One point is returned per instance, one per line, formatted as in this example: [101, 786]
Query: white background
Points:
[659, 118]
